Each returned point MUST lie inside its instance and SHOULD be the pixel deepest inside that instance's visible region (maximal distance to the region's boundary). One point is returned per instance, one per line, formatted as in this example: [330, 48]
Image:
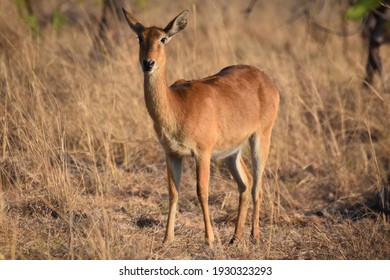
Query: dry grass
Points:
[83, 175]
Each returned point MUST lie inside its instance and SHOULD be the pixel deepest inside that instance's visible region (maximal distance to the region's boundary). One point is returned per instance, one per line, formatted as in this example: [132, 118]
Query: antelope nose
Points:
[147, 64]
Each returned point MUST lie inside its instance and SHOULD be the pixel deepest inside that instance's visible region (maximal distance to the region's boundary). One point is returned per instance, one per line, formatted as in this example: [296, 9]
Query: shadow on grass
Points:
[367, 205]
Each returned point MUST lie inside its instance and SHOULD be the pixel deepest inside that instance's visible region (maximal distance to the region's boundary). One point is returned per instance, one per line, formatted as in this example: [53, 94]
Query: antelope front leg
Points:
[174, 170]
[203, 178]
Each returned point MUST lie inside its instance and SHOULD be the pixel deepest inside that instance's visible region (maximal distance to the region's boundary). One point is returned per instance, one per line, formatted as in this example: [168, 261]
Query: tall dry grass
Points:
[83, 175]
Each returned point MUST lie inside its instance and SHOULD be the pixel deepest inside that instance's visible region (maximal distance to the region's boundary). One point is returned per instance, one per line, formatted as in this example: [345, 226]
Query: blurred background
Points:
[82, 175]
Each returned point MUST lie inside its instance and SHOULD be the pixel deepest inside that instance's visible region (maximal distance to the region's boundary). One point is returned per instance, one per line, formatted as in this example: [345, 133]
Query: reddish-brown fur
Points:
[214, 116]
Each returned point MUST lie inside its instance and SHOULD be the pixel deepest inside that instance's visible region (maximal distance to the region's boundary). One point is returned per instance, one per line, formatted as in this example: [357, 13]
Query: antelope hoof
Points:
[168, 241]
[235, 239]
[255, 239]
[209, 242]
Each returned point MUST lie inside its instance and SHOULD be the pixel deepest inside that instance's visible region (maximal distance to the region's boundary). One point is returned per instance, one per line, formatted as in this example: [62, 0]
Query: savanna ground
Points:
[82, 172]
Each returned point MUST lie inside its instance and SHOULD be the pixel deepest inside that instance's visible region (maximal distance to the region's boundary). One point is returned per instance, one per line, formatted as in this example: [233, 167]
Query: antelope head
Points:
[152, 40]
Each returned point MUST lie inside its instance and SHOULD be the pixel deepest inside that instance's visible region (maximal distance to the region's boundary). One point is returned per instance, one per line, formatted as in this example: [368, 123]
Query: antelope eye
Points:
[164, 40]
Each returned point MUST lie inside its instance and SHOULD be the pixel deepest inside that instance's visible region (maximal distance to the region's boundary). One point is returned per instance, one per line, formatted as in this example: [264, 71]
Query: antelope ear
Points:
[134, 24]
[177, 24]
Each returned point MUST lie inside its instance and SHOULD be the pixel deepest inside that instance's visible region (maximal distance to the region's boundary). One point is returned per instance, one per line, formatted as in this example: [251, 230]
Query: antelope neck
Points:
[159, 98]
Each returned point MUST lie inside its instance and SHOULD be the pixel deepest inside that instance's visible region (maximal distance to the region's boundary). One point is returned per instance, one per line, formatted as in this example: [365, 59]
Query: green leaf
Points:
[32, 23]
[141, 3]
[58, 20]
[361, 8]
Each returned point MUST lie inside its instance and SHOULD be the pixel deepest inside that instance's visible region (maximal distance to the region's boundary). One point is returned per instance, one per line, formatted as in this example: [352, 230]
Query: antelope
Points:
[211, 117]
